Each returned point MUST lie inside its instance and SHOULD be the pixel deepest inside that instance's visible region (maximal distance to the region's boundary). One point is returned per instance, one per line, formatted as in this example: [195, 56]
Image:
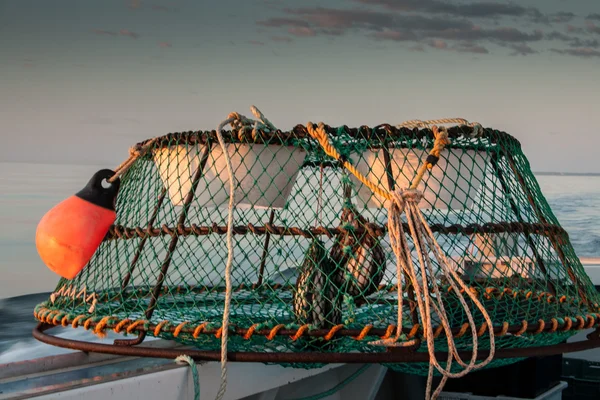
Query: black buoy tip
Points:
[99, 191]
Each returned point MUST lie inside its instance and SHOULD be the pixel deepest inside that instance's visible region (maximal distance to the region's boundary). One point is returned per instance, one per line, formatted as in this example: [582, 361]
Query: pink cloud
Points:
[256, 42]
[135, 4]
[164, 45]
[301, 31]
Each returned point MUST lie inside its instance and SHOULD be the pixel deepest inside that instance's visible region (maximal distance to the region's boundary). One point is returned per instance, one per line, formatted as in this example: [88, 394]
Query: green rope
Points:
[337, 387]
[187, 359]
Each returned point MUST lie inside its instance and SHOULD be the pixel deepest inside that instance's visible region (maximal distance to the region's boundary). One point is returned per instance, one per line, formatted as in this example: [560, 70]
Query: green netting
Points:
[311, 244]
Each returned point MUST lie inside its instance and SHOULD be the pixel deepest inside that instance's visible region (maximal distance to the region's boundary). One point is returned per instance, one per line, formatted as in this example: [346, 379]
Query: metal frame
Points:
[392, 355]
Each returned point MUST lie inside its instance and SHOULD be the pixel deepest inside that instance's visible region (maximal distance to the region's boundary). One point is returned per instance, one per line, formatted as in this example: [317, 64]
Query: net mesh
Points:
[313, 269]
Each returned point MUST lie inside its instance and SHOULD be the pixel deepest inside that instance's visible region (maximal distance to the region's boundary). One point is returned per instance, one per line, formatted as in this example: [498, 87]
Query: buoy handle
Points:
[96, 193]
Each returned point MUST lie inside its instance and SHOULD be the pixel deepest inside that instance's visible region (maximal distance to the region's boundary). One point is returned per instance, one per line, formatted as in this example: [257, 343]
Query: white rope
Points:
[407, 201]
[241, 123]
[417, 123]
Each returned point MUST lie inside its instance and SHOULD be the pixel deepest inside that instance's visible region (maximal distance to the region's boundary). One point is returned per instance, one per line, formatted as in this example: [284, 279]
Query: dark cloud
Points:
[591, 27]
[591, 43]
[122, 32]
[582, 52]
[164, 45]
[470, 48]
[125, 32]
[562, 17]
[521, 49]
[555, 35]
[398, 36]
[573, 41]
[280, 22]
[574, 29]
[388, 26]
[477, 9]
[595, 17]
[460, 47]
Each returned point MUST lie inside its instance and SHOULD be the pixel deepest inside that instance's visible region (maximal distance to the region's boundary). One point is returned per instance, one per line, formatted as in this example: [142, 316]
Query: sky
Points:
[82, 81]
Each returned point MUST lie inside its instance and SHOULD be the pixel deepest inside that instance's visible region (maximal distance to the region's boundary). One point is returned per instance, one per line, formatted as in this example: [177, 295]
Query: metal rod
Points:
[515, 209]
[540, 215]
[410, 289]
[172, 245]
[138, 252]
[126, 233]
[395, 356]
[263, 260]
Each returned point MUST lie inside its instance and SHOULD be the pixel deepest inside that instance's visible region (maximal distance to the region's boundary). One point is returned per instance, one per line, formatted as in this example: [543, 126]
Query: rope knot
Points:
[402, 196]
[135, 151]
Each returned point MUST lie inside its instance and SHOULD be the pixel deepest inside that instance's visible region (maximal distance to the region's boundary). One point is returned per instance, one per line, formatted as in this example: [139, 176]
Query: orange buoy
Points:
[70, 233]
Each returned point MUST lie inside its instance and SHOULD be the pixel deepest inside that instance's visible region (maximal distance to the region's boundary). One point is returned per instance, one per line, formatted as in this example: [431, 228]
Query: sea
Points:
[27, 191]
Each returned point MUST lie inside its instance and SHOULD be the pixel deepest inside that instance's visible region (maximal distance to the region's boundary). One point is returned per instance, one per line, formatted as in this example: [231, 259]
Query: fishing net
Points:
[313, 266]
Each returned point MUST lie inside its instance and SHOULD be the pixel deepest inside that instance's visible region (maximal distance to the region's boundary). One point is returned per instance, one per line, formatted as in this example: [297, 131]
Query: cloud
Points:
[389, 26]
[583, 52]
[460, 47]
[164, 45]
[562, 17]
[134, 4]
[301, 31]
[591, 27]
[122, 32]
[256, 42]
[284, 39]
[522, 49]
[477, 9]
[438, 44]
[125, 32]
[574, 29]
[573, 41]
[470, 48]
[280, 22]
[555, 35]
[595, 17]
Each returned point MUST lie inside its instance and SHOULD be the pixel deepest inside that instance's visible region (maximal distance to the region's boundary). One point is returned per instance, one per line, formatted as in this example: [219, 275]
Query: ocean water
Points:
[27, 191]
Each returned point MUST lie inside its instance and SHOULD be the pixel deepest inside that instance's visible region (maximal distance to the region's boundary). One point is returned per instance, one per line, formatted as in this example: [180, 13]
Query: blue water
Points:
[27, 191]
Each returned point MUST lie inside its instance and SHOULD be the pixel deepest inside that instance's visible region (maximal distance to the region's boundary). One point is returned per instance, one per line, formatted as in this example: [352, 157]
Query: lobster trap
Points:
[314, 277]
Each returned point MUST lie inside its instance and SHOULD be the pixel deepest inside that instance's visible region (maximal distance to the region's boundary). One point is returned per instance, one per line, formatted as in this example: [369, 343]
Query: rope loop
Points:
[405, 201]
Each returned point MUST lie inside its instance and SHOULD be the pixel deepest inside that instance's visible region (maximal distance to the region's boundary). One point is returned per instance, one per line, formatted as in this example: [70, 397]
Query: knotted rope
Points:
[406, 201]
[417, 123]
[242, 124]
[135, 152]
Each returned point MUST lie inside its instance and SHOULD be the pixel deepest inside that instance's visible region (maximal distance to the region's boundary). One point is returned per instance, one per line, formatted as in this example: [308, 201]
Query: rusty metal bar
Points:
[172, 246]
[515, 209]
[540, 215]
[396, 356]
[138, 252]
[125, 233]
[265, 253]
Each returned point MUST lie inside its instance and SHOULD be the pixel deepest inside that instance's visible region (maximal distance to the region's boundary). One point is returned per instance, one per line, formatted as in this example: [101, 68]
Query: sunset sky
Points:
[81, 81]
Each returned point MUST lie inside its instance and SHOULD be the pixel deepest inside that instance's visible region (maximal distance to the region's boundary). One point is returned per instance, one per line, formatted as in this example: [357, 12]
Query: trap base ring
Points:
[395, 355]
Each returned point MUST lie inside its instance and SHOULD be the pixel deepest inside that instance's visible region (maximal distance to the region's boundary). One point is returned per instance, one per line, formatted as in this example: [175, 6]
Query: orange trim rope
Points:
[54, 317]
